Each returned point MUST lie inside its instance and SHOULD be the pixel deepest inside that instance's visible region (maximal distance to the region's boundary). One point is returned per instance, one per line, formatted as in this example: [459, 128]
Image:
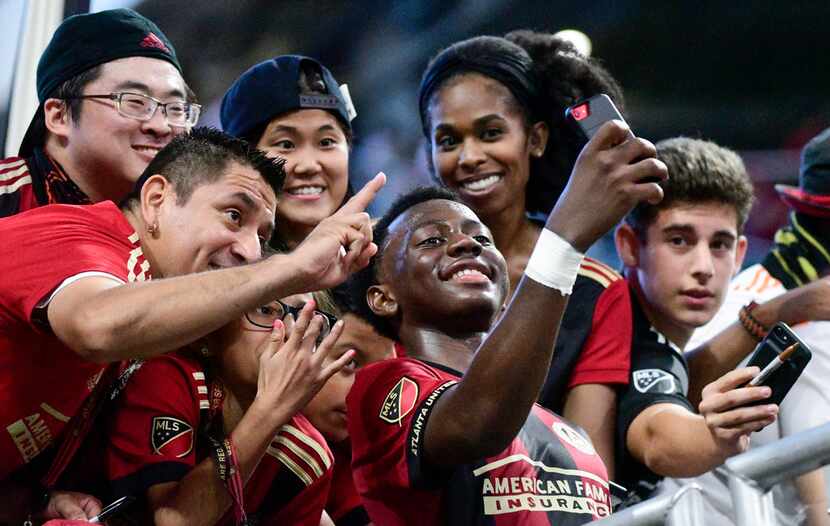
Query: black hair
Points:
[73, 88]
[699, 172]
[560, 76]
[361, 281]
[68, 91]
[566, 77]
[201, 157]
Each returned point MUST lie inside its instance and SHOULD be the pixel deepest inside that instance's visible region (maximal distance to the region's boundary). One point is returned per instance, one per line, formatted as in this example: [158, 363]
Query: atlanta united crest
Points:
[400, 401]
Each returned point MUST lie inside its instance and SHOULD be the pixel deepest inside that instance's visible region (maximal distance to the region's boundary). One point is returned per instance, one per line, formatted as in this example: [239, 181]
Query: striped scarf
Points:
[797, 257]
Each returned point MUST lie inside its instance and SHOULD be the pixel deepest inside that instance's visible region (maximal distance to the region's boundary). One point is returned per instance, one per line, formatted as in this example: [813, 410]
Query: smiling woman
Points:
[291, 107]
[492, 111]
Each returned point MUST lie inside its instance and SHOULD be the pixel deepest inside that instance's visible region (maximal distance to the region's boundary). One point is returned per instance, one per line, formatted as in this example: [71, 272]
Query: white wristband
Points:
[554, 262]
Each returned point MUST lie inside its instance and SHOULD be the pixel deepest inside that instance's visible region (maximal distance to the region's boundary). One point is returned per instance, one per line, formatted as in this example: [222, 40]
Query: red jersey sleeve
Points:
[606, 356]
[389, 406]
[152, 431]
[292, 482]
[57, 242]
[344, 505]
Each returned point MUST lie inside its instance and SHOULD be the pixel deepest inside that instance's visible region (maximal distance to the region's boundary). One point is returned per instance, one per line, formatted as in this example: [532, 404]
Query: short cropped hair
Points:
[699, 172]
[360, 282]
[201, 157]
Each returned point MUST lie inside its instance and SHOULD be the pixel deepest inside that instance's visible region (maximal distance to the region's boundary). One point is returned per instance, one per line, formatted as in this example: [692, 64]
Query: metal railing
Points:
[751, 476]
[652, 512]
[754, 473]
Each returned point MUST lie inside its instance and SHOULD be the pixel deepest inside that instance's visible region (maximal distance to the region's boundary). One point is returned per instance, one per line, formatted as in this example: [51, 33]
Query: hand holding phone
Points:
[589, 115]
[779, 374]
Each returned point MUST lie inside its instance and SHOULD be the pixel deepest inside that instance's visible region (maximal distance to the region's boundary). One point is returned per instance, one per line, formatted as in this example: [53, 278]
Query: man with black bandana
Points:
[111, 96]
[798, 259]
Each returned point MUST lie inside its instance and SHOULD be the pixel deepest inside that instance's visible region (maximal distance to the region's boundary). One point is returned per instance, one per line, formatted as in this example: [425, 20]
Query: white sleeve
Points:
[72, 279]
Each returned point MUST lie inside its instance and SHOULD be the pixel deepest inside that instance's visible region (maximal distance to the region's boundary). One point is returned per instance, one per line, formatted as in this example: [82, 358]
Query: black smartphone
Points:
[112, 508]
[588, 115]
[781, 380]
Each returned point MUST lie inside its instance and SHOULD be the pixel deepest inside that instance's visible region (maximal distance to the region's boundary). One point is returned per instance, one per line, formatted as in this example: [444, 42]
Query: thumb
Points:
[609, 135]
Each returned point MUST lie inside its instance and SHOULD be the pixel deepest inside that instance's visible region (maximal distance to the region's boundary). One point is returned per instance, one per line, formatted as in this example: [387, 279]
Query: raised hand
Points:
[724, 408]
[614, 171]
[341, 244]
[292, 370]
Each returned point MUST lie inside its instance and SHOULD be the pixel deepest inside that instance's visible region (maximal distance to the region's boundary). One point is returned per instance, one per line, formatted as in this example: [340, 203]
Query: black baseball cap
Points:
[84, 41]
[812, 195]
[272, 88]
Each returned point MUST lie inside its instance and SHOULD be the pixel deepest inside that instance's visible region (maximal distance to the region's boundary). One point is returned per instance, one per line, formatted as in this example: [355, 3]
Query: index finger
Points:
[736, 378]
[361, 200]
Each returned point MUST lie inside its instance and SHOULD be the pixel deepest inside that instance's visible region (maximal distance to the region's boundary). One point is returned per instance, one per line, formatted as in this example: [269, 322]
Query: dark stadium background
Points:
[753, 76]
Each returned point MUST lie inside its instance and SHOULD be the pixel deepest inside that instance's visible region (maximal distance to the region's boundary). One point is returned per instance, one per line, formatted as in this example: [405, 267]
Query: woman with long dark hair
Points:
[493, 115]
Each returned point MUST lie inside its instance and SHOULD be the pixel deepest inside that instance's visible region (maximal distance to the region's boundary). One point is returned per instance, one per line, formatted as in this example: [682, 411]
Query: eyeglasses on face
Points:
[266, 315]
[142, 107]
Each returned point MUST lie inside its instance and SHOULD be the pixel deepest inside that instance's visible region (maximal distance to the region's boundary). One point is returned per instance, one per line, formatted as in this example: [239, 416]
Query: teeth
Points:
[146, 149]
[467, 272]
[481, 184]
[306, 190]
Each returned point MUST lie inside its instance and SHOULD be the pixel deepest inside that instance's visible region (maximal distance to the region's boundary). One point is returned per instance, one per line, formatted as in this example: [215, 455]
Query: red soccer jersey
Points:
[43, 383]
[17, 192]
[34, 181]
[549, 475]
[344, 505]
[594, 341]
[154, 437]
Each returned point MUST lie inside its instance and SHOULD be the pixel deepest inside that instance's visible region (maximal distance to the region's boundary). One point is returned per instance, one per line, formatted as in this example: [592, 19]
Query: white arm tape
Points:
[554, 263]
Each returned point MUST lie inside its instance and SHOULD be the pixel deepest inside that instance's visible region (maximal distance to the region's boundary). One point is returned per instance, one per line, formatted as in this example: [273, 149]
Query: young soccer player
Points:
[448, 433]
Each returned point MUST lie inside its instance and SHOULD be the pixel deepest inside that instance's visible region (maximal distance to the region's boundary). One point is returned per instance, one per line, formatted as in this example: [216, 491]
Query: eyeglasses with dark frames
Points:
[266, 315]
[142, 107]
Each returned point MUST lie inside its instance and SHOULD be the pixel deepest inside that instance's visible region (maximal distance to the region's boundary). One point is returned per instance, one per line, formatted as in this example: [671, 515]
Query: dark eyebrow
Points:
[689, 229]
[144, 88]
[481, 121]
[245, 198]
[284, 128]
[488, 118]
[727, 234]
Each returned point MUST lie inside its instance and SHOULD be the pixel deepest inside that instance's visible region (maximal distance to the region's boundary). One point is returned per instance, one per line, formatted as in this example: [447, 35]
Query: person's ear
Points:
[154, 193]
[56, 117]
[628, 245]
[740, 254]
[382, 301]
[538, 139]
